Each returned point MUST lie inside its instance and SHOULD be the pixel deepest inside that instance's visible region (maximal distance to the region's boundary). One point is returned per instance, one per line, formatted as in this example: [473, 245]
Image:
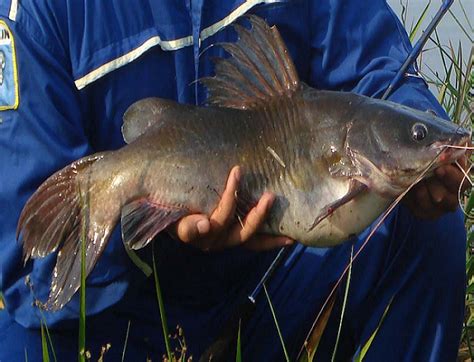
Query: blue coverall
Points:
[71, 70]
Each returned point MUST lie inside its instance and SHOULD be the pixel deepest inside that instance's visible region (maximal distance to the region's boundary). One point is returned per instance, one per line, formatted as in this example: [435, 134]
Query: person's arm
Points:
[360, 48]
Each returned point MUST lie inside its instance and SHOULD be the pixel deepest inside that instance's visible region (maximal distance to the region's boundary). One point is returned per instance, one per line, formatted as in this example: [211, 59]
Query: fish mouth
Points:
[454, 148]
[390, 183]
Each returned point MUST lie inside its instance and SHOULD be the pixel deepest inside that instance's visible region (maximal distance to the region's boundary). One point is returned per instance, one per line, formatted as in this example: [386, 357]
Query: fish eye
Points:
[419, 131]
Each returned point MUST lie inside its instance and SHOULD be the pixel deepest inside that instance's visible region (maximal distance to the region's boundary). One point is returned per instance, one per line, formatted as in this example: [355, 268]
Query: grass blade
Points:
[126, 342]
[365, 348]
[48, 335]
[415, 29]
[143, 266]
[344, 304]
[312, 341]
[276, 324]
[466, 18]
[161, 305]
[470, 203]
[238, 353]
[44, 344]
[82, 296]
[461, 26]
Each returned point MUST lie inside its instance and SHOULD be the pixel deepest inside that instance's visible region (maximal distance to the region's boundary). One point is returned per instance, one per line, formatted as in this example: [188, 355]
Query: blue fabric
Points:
[336, 44]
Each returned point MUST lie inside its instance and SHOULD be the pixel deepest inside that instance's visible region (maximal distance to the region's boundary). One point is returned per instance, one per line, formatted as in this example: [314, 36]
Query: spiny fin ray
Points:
[259, 70]
[143, 219]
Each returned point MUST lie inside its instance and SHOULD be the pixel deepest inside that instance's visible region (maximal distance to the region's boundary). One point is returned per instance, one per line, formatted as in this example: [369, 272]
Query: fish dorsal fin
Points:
[143, 114]
[259, 69]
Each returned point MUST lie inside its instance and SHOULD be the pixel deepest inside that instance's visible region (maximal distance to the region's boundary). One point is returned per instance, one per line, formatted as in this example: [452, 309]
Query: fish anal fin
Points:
[260, 69]
[355, 188]
[143, 219]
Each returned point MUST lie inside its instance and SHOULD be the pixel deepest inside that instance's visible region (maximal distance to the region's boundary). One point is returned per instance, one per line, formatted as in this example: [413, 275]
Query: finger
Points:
[442, 199]
[451, 202]
[437, 191]
[262, 242]
[223, 215]
[252, 222]
[451, 176]
[423, 198]
[422, 206]
[191, 228]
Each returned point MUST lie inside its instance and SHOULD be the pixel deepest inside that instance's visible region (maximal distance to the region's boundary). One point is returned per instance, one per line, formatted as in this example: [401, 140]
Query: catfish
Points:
[334, 160]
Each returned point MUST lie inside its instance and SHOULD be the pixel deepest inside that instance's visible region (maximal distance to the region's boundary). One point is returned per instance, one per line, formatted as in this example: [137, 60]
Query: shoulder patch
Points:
[9, 98]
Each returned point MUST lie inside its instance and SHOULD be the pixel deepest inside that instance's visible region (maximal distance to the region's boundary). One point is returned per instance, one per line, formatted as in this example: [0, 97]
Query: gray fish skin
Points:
[319, 140]
[334, 161]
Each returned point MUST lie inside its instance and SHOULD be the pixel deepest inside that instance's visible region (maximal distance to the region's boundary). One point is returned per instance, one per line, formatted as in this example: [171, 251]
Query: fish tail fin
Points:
[55, 217]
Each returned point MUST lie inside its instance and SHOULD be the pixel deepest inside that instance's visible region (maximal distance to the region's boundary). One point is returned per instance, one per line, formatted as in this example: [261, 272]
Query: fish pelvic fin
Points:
[57, 217]
[260, 69]
[143, 219]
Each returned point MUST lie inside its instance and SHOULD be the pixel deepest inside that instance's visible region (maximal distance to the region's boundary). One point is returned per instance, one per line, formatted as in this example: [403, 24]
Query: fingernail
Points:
[289, 241]
[203, 227]
[237, 174]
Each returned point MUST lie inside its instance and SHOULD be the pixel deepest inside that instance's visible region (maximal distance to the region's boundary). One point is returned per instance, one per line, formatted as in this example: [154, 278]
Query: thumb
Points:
[191, 228]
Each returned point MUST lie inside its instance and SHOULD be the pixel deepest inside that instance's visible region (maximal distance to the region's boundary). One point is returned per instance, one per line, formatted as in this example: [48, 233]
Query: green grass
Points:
[277, 326]
[344, 304]
[159, 297]
[82, 306]
[44, 344]
[365, 348]
[238, 353]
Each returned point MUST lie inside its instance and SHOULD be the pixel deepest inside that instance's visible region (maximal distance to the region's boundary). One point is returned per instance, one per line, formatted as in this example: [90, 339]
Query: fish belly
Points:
[347, 221]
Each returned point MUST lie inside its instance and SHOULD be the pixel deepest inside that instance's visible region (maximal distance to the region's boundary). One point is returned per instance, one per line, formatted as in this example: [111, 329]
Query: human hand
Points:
[437, 195]
[220, 230]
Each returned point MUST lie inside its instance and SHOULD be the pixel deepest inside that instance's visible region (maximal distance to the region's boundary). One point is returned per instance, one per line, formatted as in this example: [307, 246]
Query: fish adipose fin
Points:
[260, 69]
[355, 189]
[54, 218]
[143, 114]
[143, 219]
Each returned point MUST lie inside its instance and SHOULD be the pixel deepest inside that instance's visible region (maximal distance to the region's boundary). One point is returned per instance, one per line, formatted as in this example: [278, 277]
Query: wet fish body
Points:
[334, 160]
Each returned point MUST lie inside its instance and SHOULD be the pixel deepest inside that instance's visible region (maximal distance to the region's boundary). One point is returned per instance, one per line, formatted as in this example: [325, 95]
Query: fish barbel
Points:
[334, 160]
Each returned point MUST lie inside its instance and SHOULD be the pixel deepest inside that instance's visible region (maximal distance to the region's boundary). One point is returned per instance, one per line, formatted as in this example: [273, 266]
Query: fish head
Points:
[392, 146]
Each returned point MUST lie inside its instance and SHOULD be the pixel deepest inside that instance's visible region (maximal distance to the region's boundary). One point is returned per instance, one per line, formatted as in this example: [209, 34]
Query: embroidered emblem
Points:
[8, 69]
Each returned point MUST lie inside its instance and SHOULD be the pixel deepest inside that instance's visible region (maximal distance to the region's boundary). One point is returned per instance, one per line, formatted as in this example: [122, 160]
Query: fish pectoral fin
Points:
[355, 188]
[260, 69]
[143, 219]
